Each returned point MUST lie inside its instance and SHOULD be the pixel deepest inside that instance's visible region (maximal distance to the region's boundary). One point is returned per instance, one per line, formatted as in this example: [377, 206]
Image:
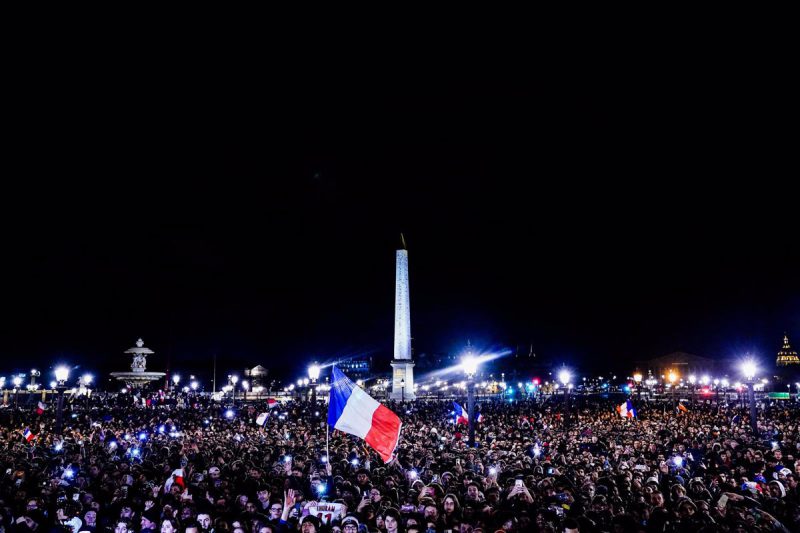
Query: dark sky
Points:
[600, 218]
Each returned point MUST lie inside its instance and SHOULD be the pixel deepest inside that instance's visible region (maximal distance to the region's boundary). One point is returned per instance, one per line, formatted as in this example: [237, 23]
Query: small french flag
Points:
[41, 408]
[175, 478]
[626, 410]
[272, 402]
[28, 435]
[353, 411]
[462, 416]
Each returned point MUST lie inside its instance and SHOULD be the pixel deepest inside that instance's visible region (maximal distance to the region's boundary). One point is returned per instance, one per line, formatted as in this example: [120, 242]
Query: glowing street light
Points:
[749, 369]
[62, 374]
[564, 376]
[470, 365]
[176, 379]
[313, 373]
[193, 385]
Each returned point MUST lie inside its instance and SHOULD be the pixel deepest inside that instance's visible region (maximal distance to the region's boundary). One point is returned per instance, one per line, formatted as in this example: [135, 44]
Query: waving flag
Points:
[175, 478]
[462, 416]
[28, 435]
[272, 402]
[40, 408]
[262, 419]
[681, 407]
[626, 410]
[353, 411]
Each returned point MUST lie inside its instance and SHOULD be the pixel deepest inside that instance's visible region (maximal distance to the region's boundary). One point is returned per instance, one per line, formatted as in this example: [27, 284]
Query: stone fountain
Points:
[138, 377]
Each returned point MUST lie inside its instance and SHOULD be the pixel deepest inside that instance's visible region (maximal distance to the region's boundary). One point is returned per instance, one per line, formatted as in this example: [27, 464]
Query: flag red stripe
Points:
[384, 433]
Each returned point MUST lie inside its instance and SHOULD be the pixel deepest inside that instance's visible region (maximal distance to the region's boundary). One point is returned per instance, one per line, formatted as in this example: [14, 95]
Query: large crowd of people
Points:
[200, 466]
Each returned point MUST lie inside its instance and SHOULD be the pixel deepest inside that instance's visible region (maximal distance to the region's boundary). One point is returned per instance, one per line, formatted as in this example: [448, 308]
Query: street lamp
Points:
[564, 376]
[749, 370]
[673, 377]
[62, 374]
[17, 382]
[176, 379]
[692, 381]
[313, 374]
[470, 365]
[234, 380]
[637, 378]
[245, 387]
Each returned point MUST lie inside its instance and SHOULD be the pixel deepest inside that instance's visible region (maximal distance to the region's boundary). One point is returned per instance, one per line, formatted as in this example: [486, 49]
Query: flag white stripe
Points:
[356, 417]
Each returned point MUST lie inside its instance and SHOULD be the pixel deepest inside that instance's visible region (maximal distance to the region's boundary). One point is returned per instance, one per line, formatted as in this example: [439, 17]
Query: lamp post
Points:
[402, 390]
[17, 382]
[673, 377]
[749, 371]
[470, 364]
[245, 388]
[313, 375]
[637, 378]
[86, 380]
[62, 374]
[234, 380]
[564, 376]
[692, 382]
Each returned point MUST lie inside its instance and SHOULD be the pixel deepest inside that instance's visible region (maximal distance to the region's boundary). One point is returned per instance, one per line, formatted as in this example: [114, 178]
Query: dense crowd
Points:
[198, 466]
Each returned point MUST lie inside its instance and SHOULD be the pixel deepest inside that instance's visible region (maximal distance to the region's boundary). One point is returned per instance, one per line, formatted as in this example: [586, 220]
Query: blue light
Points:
[678, 460]
[287, 459]
[68, 473]
[142, 436]
[229, 413]
[59, 446]
[321, 488]
[354, 462]
[127, 436]
[135, 452]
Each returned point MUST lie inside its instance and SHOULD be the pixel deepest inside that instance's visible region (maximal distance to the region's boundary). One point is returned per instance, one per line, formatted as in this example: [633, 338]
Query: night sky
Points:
[600, 219]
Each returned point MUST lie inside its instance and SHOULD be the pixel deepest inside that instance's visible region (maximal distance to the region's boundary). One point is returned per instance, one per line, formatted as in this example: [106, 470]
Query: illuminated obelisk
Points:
[402, 365]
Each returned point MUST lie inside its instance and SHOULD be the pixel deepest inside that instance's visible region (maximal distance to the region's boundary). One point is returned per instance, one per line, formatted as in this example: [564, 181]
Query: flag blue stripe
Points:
[341, 389]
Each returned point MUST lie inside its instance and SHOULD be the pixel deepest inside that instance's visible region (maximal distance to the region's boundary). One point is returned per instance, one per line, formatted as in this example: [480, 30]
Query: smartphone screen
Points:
[518, 483]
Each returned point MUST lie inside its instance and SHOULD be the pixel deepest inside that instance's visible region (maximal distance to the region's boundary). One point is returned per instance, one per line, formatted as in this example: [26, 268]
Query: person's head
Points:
[450, 504]
[126, 512]
[657, 499]
[391, 520]
[275, 510]
[310, 524]
[90, 517]
[350, 524]
[191, 527]
[168, 525]
[122, 526]
[147, 523]
[204, 520]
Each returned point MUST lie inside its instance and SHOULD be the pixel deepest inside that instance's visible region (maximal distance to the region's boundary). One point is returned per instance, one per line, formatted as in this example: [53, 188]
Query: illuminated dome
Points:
[787, 356]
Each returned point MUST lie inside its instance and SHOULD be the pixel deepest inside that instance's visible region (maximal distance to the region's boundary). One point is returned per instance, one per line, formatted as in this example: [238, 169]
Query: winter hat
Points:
[780, 486]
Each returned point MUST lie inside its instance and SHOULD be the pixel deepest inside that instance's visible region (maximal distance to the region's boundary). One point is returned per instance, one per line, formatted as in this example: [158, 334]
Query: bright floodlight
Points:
[673, 377]
[17, 381]
[194, 385]
[704, 380]
[470, 365]
[564, 376]
[692, 379]
[749, 369]
[62, 373]
[313, 372]
[637, 377]
[234, 379]
[245, 385]
[87, 378]
[176, 379]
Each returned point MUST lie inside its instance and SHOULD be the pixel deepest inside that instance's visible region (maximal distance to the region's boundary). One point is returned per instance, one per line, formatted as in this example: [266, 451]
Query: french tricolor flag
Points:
[41, 408]
[353, 411]
[462, 416]
[272, 402]
[626, 410]
[28, 435]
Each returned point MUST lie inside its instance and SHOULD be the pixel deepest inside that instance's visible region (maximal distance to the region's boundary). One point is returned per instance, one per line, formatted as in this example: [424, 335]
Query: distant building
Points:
[356, 368]
[787, 356]
[257, 376]
[684, 364]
